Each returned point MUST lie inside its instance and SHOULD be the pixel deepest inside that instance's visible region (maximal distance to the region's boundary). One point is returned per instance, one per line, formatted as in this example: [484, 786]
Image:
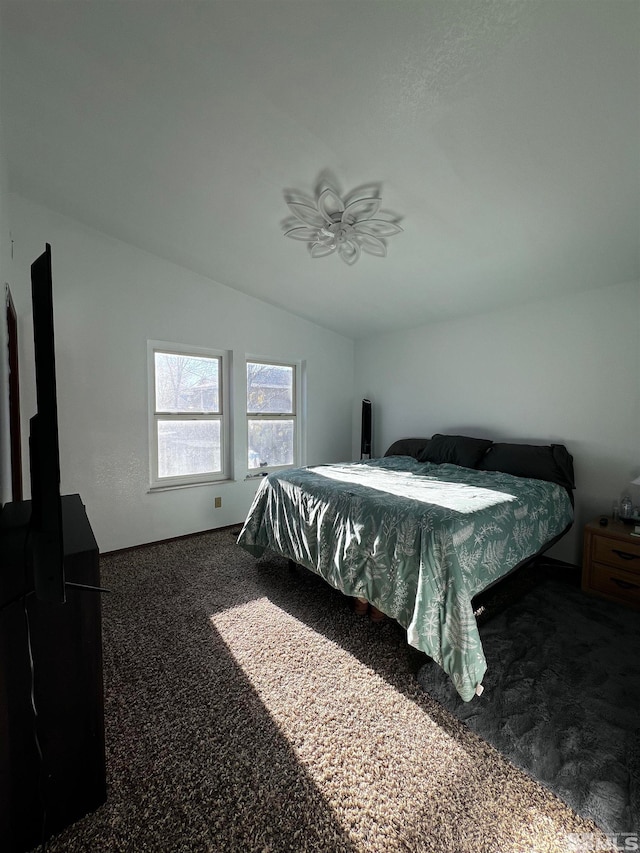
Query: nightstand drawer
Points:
[625, 586]
[624, 555]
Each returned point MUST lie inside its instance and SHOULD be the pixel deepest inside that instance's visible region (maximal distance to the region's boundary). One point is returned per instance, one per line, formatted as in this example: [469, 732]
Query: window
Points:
[272, 430]
[188, 415]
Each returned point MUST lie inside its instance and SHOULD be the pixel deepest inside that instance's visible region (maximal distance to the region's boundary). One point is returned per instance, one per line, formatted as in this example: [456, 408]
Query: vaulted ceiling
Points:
[505, 135]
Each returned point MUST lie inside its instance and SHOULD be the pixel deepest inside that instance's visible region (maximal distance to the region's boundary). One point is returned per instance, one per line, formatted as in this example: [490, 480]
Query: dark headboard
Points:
[551, 462]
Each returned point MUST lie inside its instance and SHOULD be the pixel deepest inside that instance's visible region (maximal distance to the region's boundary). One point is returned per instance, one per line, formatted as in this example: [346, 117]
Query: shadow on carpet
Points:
[562, 698]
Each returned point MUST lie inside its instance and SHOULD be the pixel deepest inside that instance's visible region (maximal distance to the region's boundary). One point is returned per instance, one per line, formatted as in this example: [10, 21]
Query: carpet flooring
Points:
[562, 696]
[248, 709]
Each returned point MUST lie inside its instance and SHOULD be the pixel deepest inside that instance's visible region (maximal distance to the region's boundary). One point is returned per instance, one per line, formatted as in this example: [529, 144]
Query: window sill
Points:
[172, 486]
[280, 469]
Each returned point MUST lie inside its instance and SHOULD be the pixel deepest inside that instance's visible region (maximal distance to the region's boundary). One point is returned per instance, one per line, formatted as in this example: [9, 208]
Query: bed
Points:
[421, 531]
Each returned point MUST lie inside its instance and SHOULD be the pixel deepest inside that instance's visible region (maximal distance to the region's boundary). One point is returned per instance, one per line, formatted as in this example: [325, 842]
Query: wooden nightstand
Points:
[611, 562]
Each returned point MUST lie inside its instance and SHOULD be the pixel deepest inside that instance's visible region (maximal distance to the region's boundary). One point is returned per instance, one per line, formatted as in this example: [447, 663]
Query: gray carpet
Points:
[249, 709]
[562, 697]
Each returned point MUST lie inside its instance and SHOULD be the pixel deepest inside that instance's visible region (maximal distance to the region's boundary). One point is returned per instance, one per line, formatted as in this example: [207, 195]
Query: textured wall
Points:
[560, 370]
[109, 299]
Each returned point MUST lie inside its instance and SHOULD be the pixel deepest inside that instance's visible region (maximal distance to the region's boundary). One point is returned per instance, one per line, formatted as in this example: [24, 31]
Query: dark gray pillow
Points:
[551, 462]
[407, 447]
[455, 449]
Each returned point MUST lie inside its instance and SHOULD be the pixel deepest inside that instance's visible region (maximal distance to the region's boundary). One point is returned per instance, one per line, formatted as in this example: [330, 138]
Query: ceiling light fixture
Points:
[330, 223]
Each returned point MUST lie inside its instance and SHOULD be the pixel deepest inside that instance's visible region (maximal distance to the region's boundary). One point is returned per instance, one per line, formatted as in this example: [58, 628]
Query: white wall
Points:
[109, 299]
[563, 370]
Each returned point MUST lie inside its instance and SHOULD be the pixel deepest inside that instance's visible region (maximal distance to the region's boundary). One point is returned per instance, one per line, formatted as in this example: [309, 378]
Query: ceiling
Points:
[505, 135]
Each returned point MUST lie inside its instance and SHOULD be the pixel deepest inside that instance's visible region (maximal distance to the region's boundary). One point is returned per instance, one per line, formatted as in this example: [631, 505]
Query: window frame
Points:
[157, 483]
[295, 415]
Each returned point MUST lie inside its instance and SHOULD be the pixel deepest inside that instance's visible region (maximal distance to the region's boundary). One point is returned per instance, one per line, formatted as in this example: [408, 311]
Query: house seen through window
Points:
[189, 418]
[271, 415]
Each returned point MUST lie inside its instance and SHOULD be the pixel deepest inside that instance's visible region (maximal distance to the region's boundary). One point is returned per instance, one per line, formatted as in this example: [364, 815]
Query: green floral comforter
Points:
[417, 540]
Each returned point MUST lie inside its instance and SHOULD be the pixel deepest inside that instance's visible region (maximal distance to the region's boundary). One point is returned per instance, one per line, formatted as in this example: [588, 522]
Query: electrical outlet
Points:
[217, 503]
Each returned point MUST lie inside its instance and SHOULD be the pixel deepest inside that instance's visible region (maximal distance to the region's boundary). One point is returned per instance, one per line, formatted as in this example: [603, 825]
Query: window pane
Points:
[186, 383]
[269, 388]
[270, 443]
[188, 447]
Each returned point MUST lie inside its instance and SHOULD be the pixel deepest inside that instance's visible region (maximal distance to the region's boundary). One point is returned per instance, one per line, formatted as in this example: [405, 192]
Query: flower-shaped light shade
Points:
[348, 226]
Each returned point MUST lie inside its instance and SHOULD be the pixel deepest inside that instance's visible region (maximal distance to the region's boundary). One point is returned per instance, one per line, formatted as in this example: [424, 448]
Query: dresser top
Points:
[615, 529]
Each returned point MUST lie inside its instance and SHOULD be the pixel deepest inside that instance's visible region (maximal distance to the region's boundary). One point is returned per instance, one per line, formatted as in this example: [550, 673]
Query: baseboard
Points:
[170, 539]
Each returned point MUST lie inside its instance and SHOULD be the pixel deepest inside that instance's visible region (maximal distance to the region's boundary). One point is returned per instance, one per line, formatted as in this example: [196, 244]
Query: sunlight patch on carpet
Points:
[338, 714]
